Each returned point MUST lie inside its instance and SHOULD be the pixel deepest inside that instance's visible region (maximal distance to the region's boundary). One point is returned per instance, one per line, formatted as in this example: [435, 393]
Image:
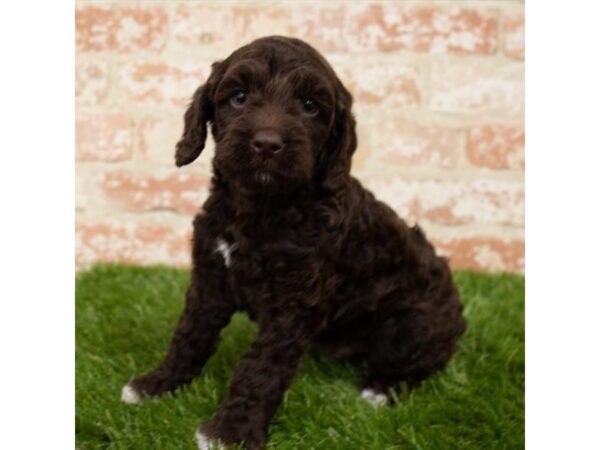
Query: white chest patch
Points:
[225, 249]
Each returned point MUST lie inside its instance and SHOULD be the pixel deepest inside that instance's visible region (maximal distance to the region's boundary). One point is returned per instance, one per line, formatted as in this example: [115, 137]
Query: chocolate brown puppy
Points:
[290, 237]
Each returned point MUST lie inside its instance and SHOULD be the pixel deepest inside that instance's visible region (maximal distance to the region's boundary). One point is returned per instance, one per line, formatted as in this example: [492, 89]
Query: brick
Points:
[163, 83]
[484, 87]
[467, 202]
[119, 29]
[386, 27]
[253, 22]
[394, 142]
[182, 192]
[87, 195]
[497, 146]
[198, 25]
[383, 84]
[323, 26]
[158, 135]
[362, 156]
[320, 25]
[460, 202]
[514, 36]
[131, 243]
[103, 136]
[91, 82]
[484, 253]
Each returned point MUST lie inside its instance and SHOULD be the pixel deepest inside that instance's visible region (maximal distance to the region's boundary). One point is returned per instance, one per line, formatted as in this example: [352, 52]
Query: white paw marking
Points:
[225, 249]
[373, 397]
[129, 395]
[206, 444]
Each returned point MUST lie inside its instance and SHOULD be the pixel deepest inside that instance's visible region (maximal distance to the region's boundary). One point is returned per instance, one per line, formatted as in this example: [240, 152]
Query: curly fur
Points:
[312, 256]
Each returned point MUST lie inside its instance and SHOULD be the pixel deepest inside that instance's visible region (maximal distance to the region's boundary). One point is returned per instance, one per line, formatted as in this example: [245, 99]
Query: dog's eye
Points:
[238, 99]
[310, 107]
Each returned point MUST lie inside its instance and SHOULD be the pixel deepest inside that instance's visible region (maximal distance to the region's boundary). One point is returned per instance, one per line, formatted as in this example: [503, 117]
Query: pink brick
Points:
[131, 243]
[230, 28]
[485, 253]
[181, 191]
[383, 84]
[323, 26]
[497, 146]
[467, 202]
[394, 142]
[157, 137]
[252, 22]
[88, 195]
[476, 88]
[490, 202]
[103, 136]
[514, 36]
[392, 27]
[91, 82]
[163, 83]
[119, 28]
[197, 25]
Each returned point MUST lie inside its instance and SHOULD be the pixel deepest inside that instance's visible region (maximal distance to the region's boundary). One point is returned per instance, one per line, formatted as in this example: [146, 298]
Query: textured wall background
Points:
[439, 95]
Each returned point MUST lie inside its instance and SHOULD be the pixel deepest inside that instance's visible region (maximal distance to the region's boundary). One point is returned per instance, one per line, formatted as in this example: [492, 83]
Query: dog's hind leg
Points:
[194, 341]
[406, 349]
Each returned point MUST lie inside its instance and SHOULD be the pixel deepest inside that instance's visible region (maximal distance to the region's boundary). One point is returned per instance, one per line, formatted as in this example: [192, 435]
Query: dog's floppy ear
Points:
[333, 166]
[200, 111]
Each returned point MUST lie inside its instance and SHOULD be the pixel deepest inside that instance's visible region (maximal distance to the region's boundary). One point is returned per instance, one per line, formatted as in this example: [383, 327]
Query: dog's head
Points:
[280, 117]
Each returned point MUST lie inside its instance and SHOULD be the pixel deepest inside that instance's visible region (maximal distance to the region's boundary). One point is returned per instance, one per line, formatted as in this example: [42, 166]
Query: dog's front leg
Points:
[194, 340]
[258, 384]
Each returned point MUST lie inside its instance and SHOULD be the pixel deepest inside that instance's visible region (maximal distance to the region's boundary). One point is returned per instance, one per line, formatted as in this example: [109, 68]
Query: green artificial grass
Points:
[125, 316]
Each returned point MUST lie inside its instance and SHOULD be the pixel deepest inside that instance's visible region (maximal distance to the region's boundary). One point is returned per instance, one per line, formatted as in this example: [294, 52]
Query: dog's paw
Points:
[375, 398]
[217, 434]
[204, 443]
[130, 396]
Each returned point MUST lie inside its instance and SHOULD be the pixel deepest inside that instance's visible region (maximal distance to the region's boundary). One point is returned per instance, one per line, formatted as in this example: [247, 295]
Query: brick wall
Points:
[439, 90]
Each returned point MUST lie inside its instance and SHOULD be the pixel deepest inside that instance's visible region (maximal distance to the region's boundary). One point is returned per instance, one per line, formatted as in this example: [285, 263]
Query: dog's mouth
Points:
[263, 177]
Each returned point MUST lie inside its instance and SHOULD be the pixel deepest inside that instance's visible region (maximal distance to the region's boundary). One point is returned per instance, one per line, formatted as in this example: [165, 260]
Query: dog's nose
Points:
[267, 142]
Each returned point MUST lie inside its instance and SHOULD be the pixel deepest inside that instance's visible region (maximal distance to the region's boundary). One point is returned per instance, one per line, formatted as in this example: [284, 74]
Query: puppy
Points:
[288, 236]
